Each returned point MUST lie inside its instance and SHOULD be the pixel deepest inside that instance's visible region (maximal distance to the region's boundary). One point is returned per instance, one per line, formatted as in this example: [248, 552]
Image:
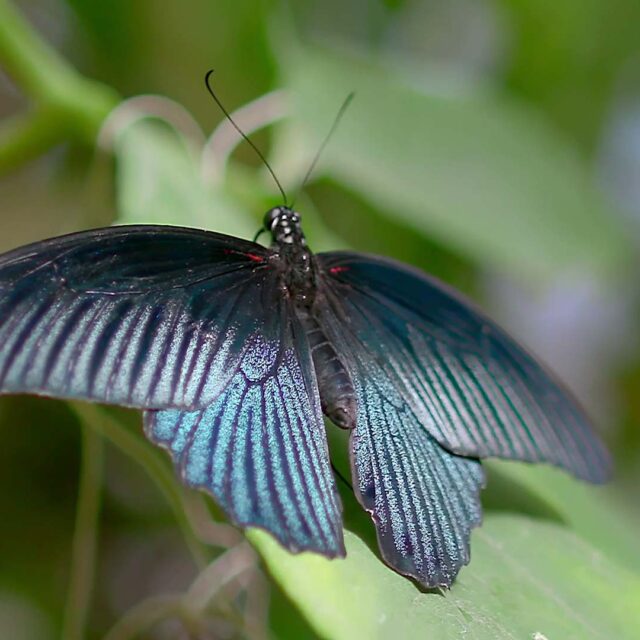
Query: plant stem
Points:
[74, 106]
[145, 615]
[33, 64]
[220, 572]
[27, 136]
[83, 554]
[143, 455]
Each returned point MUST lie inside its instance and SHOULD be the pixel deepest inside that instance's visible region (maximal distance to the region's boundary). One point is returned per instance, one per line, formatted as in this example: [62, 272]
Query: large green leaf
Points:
[597, 514]
[487, 177]
[526, 576]
[534, 568]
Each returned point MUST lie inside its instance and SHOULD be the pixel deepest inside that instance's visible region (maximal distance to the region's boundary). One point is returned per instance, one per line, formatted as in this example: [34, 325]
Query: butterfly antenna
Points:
[258, 234]
[334, 126]
[207, 81]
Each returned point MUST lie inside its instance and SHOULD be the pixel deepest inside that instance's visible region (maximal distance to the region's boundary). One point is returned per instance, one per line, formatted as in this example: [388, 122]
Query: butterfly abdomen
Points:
[337, 394]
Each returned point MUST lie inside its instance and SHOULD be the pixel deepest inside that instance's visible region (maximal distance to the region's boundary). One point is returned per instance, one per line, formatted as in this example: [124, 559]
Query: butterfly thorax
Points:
[296, 259]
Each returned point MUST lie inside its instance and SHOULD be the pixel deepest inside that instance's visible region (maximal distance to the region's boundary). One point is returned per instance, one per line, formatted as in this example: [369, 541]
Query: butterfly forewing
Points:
[468, 384]
[140, 316]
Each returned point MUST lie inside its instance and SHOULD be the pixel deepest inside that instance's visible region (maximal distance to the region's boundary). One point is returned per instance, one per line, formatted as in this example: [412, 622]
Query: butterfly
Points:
[235, 351]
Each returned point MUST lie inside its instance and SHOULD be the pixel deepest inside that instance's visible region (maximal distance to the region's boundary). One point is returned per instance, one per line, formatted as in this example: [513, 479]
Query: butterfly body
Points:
[302, 283]
[234, 351]
[337, 395]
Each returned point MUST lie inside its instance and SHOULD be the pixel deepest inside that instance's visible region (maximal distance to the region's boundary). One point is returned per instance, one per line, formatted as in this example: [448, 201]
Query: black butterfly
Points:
[235, 350]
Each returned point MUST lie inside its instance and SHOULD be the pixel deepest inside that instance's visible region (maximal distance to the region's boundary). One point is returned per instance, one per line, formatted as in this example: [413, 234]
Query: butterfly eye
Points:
[271, 216]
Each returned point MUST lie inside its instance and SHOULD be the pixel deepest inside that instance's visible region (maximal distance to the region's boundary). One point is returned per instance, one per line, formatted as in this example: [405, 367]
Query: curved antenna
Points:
[334, 126]
[244, 136]
[260, 232]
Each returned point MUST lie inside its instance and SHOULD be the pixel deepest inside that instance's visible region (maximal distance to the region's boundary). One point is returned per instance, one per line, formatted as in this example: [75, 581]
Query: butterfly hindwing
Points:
[260, 448]
[423, 499]
[137, 315]
[468, 384]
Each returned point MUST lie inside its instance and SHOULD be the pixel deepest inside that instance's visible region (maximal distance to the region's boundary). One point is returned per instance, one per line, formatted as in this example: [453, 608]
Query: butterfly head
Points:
[283, 223]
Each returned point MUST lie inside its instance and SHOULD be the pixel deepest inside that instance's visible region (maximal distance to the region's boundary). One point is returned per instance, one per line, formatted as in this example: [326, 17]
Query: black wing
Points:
[192, 325]
[261, 448]
[144, 316]
[424, 500]
[469, 385]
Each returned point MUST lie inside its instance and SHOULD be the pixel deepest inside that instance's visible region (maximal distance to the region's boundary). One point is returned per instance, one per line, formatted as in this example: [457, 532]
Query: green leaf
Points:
[158, 182]
[597, 514]
[526, 576]
[534, 568]
[487, 177]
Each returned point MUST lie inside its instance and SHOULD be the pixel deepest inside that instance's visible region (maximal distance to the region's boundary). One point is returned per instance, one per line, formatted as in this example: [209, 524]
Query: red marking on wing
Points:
[335, 270]
[252, 256]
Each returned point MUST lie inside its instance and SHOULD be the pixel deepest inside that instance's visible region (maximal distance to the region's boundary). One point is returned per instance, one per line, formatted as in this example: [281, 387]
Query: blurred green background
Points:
[494, 143]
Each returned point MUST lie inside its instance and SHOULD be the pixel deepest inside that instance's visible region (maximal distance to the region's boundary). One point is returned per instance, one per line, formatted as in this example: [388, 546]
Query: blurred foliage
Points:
[568, 57]
[473, 147]
[455, 168]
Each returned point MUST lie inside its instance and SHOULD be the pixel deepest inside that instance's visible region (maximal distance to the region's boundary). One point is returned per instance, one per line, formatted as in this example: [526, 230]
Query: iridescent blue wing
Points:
[192, 324]
[423, 499]
[469, 385]
[142, 316]
[260, 448]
